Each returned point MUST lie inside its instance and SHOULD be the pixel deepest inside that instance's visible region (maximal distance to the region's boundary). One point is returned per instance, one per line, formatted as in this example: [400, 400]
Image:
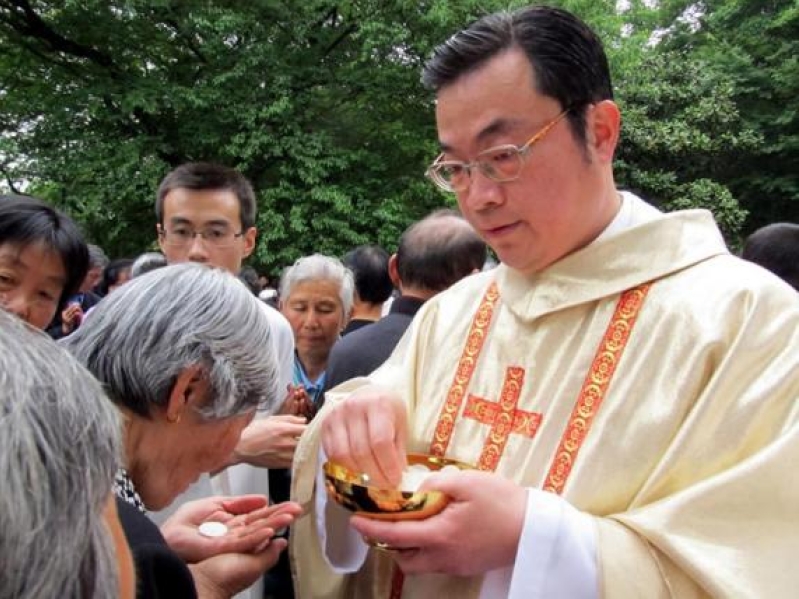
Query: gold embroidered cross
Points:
[503, 417]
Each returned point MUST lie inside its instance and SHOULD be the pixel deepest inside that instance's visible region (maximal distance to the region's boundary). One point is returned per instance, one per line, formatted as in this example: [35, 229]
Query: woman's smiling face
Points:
[32, 278]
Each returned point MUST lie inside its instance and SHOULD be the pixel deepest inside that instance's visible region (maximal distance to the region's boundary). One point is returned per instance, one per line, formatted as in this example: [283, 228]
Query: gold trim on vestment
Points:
[595, 386]
[503, 415]
[464, 371]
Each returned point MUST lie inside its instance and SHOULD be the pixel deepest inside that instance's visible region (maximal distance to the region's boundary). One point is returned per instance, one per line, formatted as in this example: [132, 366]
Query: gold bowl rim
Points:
[345, 488]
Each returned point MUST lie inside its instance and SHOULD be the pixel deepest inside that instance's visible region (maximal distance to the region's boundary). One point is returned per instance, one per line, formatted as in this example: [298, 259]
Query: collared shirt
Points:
[312, 388]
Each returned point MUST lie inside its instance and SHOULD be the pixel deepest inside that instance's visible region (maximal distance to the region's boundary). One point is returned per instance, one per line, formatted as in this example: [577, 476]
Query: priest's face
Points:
[564, 195]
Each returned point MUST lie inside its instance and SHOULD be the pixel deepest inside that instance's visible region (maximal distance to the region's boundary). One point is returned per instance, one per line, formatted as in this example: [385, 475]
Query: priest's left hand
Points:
[479, 530]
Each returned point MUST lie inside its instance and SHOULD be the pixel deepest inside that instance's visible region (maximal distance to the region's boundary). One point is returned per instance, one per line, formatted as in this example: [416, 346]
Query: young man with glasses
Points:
[625, 388]
[206, 213]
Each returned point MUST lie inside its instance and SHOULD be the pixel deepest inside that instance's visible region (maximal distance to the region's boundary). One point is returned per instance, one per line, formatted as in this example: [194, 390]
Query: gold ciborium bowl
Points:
[353, 491]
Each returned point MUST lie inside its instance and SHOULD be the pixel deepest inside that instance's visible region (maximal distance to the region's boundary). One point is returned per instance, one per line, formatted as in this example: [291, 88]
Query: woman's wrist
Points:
[205, 587]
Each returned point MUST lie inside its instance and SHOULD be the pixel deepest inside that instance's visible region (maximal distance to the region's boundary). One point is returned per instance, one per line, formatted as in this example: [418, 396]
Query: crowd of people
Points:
[624, 387]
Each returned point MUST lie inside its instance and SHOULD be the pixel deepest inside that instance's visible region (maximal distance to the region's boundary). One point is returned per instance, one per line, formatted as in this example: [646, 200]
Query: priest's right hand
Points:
[366, 433]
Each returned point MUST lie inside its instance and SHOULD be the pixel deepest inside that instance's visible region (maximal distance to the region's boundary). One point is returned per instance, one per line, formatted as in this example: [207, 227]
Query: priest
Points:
[624, 387]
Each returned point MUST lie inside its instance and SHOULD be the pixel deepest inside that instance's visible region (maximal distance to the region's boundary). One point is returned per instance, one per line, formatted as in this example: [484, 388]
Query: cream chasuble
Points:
[683, 456]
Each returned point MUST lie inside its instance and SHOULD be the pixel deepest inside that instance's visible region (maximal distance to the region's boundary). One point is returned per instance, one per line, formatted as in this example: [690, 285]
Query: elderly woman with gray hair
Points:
[184, 353]
[60, 444]
[316, 297]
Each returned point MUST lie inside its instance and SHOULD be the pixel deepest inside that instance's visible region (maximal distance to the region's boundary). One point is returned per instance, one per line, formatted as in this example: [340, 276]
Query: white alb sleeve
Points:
[344, 549]
[556, 558]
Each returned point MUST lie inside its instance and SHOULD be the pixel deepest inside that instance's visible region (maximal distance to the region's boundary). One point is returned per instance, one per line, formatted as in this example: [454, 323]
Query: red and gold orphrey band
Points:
[457, 391]
[595, 386]
[588, 402]
[464, 372]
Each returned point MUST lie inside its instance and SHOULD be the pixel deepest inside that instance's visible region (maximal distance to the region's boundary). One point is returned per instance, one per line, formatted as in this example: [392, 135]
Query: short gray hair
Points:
[97, 257]
[60, 444]
[141, 337]
[146, 262]
[320, 267]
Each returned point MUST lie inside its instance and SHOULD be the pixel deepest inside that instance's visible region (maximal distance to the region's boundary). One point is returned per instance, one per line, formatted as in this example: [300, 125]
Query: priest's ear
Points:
[602, 125]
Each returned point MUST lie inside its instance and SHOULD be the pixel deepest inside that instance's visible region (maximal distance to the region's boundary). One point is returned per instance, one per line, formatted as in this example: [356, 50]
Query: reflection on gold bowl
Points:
[348, 489]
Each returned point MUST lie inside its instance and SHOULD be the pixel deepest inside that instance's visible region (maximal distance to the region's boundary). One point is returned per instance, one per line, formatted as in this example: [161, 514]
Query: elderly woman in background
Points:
[316, 296]
[60, 444]
[184, 352]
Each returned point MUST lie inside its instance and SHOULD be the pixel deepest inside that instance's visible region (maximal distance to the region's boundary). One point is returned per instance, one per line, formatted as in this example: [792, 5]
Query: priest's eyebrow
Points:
[499, 126]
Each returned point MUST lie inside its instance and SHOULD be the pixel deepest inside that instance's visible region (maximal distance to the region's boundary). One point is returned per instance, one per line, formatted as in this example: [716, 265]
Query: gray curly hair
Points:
[60, 444]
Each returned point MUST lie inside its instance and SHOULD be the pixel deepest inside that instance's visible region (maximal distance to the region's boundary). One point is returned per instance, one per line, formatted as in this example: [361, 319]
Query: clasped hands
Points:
[71, 317]
[480, 528]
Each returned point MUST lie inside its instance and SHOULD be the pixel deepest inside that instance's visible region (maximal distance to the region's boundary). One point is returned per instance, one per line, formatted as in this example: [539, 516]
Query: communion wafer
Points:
[212, 529]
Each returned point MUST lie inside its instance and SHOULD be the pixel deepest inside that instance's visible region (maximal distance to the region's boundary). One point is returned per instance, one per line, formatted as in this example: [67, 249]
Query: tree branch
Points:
[349, 30]
[30, 24]
[173, 24]
[10, 181]
[46, 58]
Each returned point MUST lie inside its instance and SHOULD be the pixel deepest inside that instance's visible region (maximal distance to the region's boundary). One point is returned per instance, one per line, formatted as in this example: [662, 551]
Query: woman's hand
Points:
[250, 520]
[224, 575]
[296, 402]
[71, 317]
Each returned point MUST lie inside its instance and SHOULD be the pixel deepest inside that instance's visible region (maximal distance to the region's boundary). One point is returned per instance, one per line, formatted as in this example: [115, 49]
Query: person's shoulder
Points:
[462, 295]
[139, 529]
[90, 299]
[275, 317]
[726, 273]
[725, 290]
[354, 340]
[282, 334]
[159, 571]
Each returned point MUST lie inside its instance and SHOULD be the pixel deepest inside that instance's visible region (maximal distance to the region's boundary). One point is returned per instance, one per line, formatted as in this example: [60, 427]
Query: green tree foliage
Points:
[318, 103]
[682, 136]
[755, 44]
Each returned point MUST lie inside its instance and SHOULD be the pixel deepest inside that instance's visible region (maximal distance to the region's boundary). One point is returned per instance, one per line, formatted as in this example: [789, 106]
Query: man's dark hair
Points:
[776, 248]
[27, 221]
[201, 176]
[249, 276]
[568, 60]
[112, 273]
[369, 264]
[438, 251]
